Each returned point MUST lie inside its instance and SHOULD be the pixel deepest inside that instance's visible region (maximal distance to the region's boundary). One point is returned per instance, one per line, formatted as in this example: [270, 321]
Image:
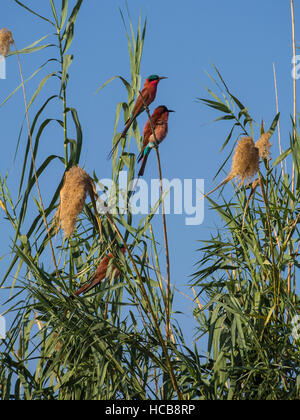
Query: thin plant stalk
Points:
[294, 118]
[158, 272]
[275, 277]
[92, 196]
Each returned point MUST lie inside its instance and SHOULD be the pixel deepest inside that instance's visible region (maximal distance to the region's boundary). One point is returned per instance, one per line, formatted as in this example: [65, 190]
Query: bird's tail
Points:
[123, 134]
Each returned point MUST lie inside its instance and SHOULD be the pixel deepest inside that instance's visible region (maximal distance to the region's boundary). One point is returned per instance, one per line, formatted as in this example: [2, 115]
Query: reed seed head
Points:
[72, 198]
[5, 40]
[245, 162]
[2, 205]
[264, 145]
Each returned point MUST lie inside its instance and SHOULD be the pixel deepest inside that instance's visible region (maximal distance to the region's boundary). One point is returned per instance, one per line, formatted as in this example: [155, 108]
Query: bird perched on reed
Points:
[101, 273]
[159, 120]
[147, 96]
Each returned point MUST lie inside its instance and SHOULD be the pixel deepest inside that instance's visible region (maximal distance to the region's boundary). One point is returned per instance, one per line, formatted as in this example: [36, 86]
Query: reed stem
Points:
[33, 161]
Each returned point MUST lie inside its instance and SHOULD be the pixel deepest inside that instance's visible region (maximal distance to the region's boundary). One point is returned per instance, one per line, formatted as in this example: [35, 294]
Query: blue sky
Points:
[183, 39]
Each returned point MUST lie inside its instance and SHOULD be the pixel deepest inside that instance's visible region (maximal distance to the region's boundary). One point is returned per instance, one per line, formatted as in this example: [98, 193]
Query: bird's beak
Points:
[162, 77]
[171, 110]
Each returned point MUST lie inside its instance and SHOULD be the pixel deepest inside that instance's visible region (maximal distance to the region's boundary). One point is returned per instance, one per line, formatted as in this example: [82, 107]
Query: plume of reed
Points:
[245, 161]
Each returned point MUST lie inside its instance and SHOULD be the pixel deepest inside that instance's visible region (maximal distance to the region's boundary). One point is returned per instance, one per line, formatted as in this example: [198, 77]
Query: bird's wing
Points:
[97, 278]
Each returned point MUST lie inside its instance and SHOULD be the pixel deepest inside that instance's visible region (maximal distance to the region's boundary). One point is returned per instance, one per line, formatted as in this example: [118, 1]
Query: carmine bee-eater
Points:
[100, 273]
[159, 119]
[147, 96]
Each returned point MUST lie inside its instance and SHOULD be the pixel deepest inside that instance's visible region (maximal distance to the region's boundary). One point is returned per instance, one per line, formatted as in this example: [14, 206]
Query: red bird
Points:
[100, 273]
[147, 96]
[159, 119]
